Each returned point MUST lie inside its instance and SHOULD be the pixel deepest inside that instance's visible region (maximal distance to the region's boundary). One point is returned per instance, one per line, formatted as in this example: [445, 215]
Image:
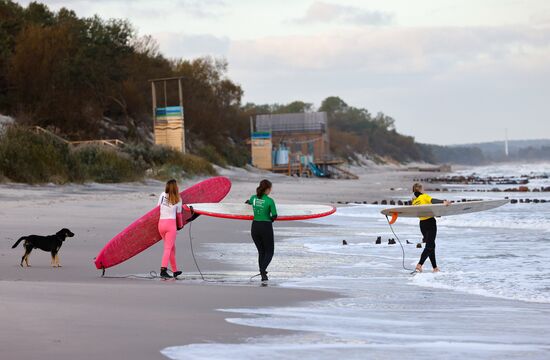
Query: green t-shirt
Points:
[264, 208]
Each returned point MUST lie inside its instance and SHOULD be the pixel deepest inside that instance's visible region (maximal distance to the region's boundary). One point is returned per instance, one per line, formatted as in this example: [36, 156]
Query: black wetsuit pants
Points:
[429, 231]
[262, 234]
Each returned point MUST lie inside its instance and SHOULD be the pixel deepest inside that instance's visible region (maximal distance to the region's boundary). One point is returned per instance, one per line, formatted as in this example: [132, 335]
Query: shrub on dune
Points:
[101, 164]
[168, 163]
[189, 165]
[33, 158]
[210, 153]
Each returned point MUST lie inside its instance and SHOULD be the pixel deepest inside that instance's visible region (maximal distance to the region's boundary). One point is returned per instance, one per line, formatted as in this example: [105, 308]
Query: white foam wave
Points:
[334, 350]
[501, 255]
[473, 283]
[524, 223]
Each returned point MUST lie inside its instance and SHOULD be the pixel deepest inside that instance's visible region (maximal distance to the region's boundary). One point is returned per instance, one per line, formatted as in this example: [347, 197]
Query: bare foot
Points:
[419, 268]
[436, 269]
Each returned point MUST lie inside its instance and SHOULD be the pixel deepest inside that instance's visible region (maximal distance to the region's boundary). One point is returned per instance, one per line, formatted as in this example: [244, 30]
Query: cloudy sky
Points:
[448, 71]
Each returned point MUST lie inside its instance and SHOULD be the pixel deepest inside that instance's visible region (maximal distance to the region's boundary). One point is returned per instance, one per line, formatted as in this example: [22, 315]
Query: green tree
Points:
[332, 105]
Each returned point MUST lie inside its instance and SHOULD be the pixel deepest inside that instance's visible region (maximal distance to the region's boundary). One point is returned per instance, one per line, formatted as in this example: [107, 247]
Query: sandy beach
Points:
[343, 107]
[73, 313]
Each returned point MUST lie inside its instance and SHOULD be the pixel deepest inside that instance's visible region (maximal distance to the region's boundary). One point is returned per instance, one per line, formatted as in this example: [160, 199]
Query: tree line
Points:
[355, 132]
[88, 78]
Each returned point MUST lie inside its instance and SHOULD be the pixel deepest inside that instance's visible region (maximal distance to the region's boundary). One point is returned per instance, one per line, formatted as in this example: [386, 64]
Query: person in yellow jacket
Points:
[428, 227]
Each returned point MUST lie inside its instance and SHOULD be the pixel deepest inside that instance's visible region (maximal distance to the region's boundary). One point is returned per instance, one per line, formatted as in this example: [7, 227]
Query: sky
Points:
[447, 71]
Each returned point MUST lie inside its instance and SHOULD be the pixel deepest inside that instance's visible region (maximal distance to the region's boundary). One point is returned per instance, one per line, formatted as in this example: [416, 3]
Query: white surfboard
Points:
[244, 211]
[441, 209]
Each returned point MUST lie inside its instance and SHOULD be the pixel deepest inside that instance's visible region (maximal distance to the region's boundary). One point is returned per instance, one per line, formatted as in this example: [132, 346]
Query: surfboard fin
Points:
[394, 217]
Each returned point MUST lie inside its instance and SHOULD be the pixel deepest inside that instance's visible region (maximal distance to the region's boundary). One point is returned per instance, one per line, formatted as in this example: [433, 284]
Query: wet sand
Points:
[73, 313]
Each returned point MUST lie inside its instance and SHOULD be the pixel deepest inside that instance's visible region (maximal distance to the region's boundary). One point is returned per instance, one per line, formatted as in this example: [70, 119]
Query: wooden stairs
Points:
[105, 142]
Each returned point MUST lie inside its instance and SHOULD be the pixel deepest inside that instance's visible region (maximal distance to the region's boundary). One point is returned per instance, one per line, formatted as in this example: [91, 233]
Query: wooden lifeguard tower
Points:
[169, 125]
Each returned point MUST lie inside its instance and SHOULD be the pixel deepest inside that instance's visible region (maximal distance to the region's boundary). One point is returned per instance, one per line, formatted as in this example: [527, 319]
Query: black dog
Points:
[51, 243]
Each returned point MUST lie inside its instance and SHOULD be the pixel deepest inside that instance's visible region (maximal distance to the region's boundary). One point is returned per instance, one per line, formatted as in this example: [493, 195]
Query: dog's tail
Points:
[18, 241]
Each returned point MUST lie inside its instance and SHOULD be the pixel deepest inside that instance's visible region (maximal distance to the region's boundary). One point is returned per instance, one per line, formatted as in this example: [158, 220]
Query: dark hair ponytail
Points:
[264, 185]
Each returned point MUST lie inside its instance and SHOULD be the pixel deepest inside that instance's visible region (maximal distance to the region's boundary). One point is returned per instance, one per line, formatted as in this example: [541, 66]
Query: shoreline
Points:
[71, 311]
[142, 317]
[382, 309]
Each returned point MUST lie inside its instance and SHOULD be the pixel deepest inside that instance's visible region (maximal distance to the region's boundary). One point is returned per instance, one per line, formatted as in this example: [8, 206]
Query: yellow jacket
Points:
[423, 199]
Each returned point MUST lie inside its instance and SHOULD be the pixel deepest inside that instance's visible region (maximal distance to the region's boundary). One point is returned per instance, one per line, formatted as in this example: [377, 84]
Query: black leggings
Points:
[262, 234]
[429, 231]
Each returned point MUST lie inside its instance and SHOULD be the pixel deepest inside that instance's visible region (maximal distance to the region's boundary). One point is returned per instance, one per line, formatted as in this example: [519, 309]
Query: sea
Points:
[491, 299]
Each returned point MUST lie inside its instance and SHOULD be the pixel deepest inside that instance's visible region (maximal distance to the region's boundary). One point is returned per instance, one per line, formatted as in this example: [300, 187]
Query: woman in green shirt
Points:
[262, 228]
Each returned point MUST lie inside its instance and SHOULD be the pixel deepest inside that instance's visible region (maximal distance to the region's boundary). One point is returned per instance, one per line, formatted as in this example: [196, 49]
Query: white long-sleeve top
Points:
[167, 210]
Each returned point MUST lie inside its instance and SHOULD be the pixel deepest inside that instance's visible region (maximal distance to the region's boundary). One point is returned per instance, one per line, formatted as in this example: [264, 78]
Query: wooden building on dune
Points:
[295, 144]
[169, 130]
[168, 120]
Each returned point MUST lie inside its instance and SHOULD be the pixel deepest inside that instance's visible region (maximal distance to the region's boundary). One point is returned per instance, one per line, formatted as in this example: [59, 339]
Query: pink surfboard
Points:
[240, 211]
[143, 232]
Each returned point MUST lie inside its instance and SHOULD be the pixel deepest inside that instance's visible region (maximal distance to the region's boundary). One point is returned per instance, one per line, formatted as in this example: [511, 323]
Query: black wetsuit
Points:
[429, 232]
[265, 213]
[262, 234]
[428, 227]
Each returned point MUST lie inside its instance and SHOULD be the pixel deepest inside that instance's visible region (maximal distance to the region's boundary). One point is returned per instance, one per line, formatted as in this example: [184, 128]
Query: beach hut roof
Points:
[313, 121]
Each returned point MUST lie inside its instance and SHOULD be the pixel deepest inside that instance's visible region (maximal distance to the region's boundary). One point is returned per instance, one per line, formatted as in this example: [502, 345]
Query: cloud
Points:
[463, 84]
[143, 8]
[324, 12]
[203, 8]
[541, 18]
[401, 50]
[192, 46]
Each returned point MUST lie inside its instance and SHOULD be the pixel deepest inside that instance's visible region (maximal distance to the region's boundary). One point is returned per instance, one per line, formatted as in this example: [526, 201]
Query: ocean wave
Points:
[483, 285]
[296, 347]
[510, 217]
[508, 222]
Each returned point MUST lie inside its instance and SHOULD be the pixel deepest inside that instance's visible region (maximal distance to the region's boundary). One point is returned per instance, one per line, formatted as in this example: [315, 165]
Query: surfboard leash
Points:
[196, 262]
[400, 244]
[152, 275]
[193, 252]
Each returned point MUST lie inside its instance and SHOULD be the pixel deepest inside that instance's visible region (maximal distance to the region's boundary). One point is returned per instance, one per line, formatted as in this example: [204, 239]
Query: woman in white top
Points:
[171, 220]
